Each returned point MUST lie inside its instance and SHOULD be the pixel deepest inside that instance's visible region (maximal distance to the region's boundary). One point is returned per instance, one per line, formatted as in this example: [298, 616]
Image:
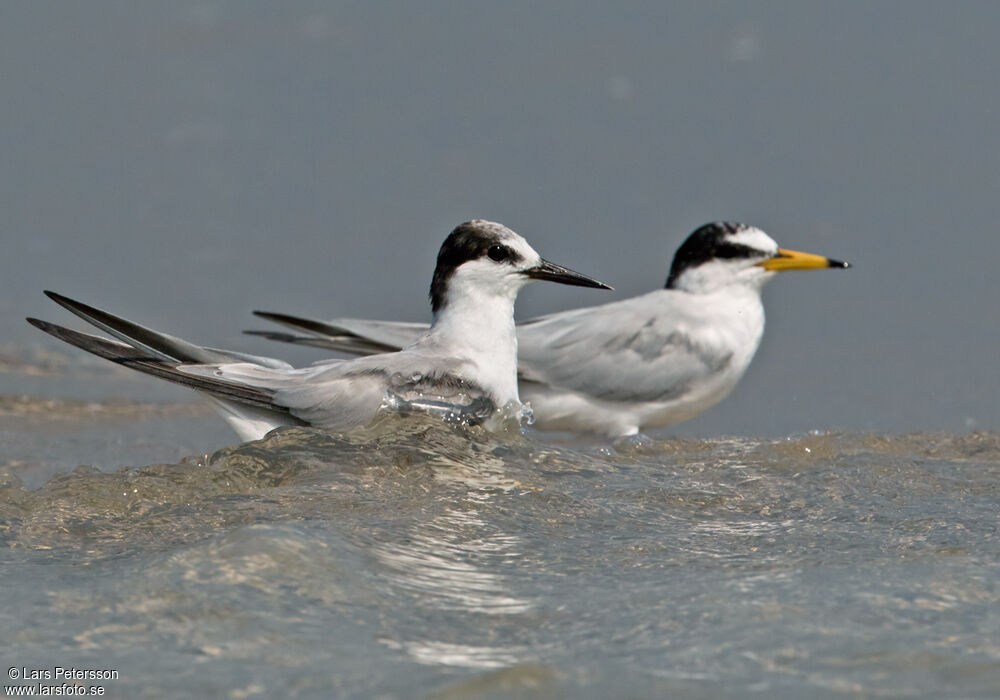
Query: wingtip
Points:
[272, 316]
[63, 300]
[55, 330]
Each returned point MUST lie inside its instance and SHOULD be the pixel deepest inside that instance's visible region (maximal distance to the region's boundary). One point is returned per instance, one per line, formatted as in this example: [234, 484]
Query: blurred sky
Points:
[182, 163]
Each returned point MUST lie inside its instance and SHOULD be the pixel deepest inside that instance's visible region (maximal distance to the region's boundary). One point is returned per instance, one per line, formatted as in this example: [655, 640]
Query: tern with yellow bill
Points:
[633, 365]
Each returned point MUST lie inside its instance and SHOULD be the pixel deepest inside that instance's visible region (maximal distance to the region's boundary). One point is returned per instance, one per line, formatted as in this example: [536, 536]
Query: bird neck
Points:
[732, 315]
[479, 328]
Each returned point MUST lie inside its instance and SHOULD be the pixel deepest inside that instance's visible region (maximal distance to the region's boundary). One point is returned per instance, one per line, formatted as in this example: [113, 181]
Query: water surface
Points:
[411, 559]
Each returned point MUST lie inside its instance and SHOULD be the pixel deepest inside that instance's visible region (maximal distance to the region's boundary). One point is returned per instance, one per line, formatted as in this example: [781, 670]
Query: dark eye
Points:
[499, 253]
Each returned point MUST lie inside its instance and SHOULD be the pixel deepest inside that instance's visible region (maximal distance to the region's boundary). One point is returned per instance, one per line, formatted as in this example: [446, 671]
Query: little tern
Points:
[628, 366]
[464, 364]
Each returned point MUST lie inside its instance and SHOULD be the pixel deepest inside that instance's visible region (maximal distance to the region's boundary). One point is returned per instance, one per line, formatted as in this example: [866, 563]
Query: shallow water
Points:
[411, 559]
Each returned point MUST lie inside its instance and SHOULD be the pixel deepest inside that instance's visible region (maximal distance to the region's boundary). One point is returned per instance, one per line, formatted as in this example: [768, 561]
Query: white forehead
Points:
[753, 237]
[507, 237]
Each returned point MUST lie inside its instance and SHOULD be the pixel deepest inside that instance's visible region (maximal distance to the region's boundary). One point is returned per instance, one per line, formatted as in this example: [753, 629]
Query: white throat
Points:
[717, 276]
[478, 326]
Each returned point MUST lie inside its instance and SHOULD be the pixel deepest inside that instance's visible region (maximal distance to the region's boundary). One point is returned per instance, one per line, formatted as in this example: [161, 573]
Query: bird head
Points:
[486, 258]
[722, 254]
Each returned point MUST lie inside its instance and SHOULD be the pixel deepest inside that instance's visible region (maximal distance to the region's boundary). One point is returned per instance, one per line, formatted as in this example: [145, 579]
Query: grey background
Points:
[184, 163]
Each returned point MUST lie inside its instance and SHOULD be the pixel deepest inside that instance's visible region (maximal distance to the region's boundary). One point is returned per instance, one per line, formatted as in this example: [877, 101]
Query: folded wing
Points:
[627, 351]
[348, 335]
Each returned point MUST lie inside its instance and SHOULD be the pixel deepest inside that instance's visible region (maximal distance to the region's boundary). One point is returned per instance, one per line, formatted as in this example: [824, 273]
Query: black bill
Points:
[557, 273]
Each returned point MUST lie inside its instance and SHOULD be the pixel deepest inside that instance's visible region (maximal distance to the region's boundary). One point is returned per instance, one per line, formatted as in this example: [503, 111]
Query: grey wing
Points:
[624, 351]
[349, 335]
[350, 346]
[155, 343]
[149, 363]
[329, 396]
[338, 394]
[335, 394]
[336, 404]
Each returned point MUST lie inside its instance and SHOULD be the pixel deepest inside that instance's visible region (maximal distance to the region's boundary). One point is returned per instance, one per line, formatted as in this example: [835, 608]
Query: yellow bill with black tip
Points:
[794, 260]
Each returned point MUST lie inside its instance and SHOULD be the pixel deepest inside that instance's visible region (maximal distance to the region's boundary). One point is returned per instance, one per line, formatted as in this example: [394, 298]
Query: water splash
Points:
[412, 557]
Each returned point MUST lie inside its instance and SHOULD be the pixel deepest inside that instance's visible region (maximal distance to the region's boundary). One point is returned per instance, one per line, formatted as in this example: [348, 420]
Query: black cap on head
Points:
[710, 242]
[468, 241]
